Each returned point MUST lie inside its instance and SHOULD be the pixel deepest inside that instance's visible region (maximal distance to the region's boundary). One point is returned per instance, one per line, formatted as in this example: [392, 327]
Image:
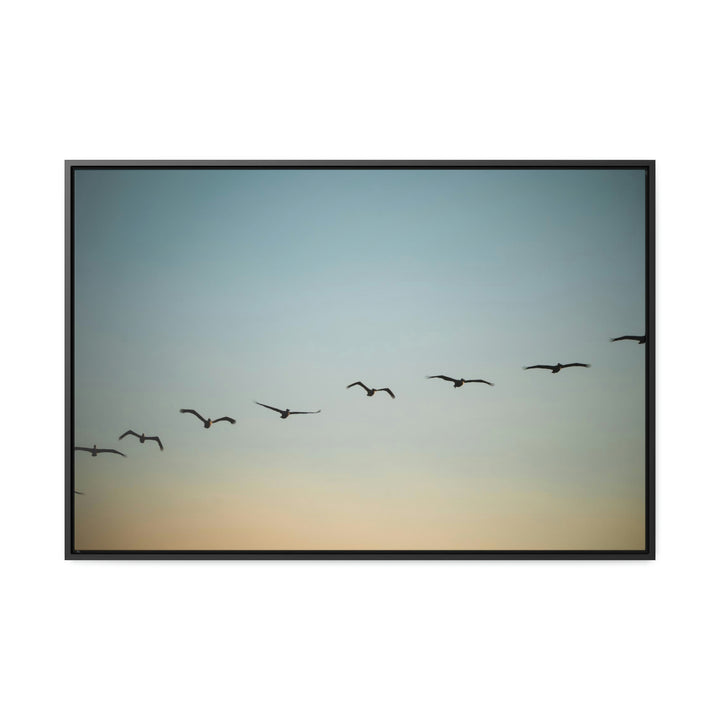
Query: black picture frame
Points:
[648, 553]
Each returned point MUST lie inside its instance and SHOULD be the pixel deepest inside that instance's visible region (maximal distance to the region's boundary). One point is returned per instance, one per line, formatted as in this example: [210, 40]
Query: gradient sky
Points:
[210, 289]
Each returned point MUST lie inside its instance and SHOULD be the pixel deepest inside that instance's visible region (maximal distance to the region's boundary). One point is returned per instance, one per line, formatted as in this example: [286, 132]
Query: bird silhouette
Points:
[207, 421]
[77, 492]
[371, 391]
[95, 450]
[640, 338]
[286, 413]
[143, 437]
[457, 383]
[557, 368]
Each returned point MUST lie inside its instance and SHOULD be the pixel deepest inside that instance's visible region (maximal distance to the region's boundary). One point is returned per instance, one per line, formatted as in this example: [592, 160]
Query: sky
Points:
[214, 288]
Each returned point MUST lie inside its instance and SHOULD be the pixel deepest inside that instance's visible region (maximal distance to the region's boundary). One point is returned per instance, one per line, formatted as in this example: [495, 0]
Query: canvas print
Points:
[334, 359]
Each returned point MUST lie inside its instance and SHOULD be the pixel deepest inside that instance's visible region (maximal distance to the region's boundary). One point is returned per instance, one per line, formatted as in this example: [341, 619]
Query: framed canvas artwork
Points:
[360, 359]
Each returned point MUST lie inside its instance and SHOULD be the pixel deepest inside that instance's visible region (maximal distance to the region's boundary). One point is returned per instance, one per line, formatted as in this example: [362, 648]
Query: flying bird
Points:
[557, 368]
[640, 338]
[457, 383]
[207, 421]
[94, 450]
[371, 391]
[285, 413]
[143, 437]
[77, 492]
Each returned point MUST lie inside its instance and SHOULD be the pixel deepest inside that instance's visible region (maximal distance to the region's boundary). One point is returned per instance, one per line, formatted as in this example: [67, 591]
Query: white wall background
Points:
[363, 80]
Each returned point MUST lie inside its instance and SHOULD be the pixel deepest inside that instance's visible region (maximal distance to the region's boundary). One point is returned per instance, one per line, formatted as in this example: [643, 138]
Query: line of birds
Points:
[284, 414]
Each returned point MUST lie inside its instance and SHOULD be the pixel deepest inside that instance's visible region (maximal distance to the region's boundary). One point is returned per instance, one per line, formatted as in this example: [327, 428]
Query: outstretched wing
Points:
[77, 492]
[195, 413]
[387, 390]
[628, 337]
[480, 381]
[304, 412]
[544, 367]
[575, 365]
[157, 440]
[83, 448]
[109, 450]
[269, 407]
[442, 377]
[361, 384]
[224, 419]
[129, 432]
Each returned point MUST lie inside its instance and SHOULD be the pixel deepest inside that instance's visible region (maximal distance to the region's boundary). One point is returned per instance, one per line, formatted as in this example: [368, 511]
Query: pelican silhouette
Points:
[286, 413]
[640, 338]
[207, 421]
[143, 437]
[95, 450]
[457, 383]
[371, 391]
[557, 368]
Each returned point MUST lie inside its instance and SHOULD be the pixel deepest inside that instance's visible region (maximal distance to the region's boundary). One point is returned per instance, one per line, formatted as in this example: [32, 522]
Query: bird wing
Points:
[157, 440]
[387, 390]
[109, 450]
[304, 412]
[576, 365]
[195, 413]
[269, 407]
[545, 367]
[480, 381]
[442, 377]
[361, 384]
[77, 492]
[84, 448]
[129, 432]
[627, 337]
[225, 418]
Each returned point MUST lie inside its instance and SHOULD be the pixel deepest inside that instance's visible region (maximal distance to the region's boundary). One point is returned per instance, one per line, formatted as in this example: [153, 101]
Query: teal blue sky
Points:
[211, 289]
